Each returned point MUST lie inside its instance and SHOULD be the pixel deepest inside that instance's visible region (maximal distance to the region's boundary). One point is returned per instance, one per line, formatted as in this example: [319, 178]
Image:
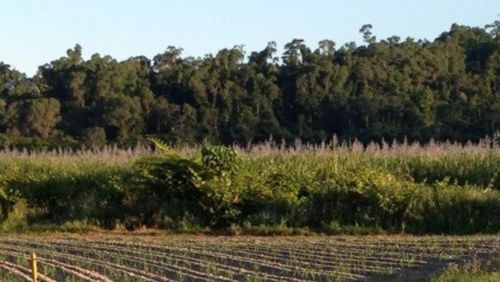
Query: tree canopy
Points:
[389, 89]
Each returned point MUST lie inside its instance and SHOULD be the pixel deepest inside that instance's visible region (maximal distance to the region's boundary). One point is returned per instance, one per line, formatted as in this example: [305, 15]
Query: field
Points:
[204, 258]
[439, 188]
[414, 205]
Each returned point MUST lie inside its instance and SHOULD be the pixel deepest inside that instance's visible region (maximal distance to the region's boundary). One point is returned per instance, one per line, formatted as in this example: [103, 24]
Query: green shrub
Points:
[337, 191]
[175, 187]
[16, 218]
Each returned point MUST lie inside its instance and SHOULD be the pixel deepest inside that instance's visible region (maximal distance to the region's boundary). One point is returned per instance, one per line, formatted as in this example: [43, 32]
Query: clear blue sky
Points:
[38, 31]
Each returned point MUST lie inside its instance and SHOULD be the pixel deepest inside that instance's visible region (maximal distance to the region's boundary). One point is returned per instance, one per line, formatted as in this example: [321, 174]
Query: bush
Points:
[175, 187]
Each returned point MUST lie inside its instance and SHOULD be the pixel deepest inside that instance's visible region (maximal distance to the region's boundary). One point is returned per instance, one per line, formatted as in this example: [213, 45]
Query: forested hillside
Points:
[384, 89]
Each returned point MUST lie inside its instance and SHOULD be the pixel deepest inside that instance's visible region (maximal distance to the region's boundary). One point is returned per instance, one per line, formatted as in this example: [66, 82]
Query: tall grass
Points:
[436, 188]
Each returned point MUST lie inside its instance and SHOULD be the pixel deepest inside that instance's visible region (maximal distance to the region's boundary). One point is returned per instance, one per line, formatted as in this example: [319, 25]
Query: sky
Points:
[35, 32]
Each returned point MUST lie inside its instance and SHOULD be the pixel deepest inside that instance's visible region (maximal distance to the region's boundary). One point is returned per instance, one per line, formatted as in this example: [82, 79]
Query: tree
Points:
[41, 116]
[295, 52]
[264, 57]
[366, 30]
[94, 137]
[326, 47]
[494, 28]
[121, 118]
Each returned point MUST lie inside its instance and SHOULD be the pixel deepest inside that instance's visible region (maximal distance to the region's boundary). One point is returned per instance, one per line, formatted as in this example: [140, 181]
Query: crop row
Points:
[178, 258]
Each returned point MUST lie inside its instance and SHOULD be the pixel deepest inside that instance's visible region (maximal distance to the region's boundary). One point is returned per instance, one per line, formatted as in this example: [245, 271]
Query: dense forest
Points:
[390, 89]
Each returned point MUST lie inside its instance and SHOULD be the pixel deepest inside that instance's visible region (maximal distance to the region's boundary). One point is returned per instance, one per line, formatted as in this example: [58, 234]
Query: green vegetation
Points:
[389, 89]
[117, 257]
[440, 188]
[475, 271]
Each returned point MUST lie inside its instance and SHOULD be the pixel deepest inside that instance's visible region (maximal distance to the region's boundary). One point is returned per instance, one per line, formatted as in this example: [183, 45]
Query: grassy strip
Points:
[470, 274]
[266, 192]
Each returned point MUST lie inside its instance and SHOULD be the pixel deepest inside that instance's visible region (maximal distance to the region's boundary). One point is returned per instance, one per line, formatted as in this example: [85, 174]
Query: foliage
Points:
[199, 187]
[439, 189]
[388, 89]
[477, 271]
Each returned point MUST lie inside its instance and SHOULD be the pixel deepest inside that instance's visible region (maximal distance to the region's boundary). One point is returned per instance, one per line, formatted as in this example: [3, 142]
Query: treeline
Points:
[391, 89]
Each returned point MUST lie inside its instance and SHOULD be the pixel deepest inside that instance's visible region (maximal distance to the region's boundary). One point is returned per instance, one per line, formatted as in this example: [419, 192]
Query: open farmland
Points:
[386, 191]
[202, 258]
